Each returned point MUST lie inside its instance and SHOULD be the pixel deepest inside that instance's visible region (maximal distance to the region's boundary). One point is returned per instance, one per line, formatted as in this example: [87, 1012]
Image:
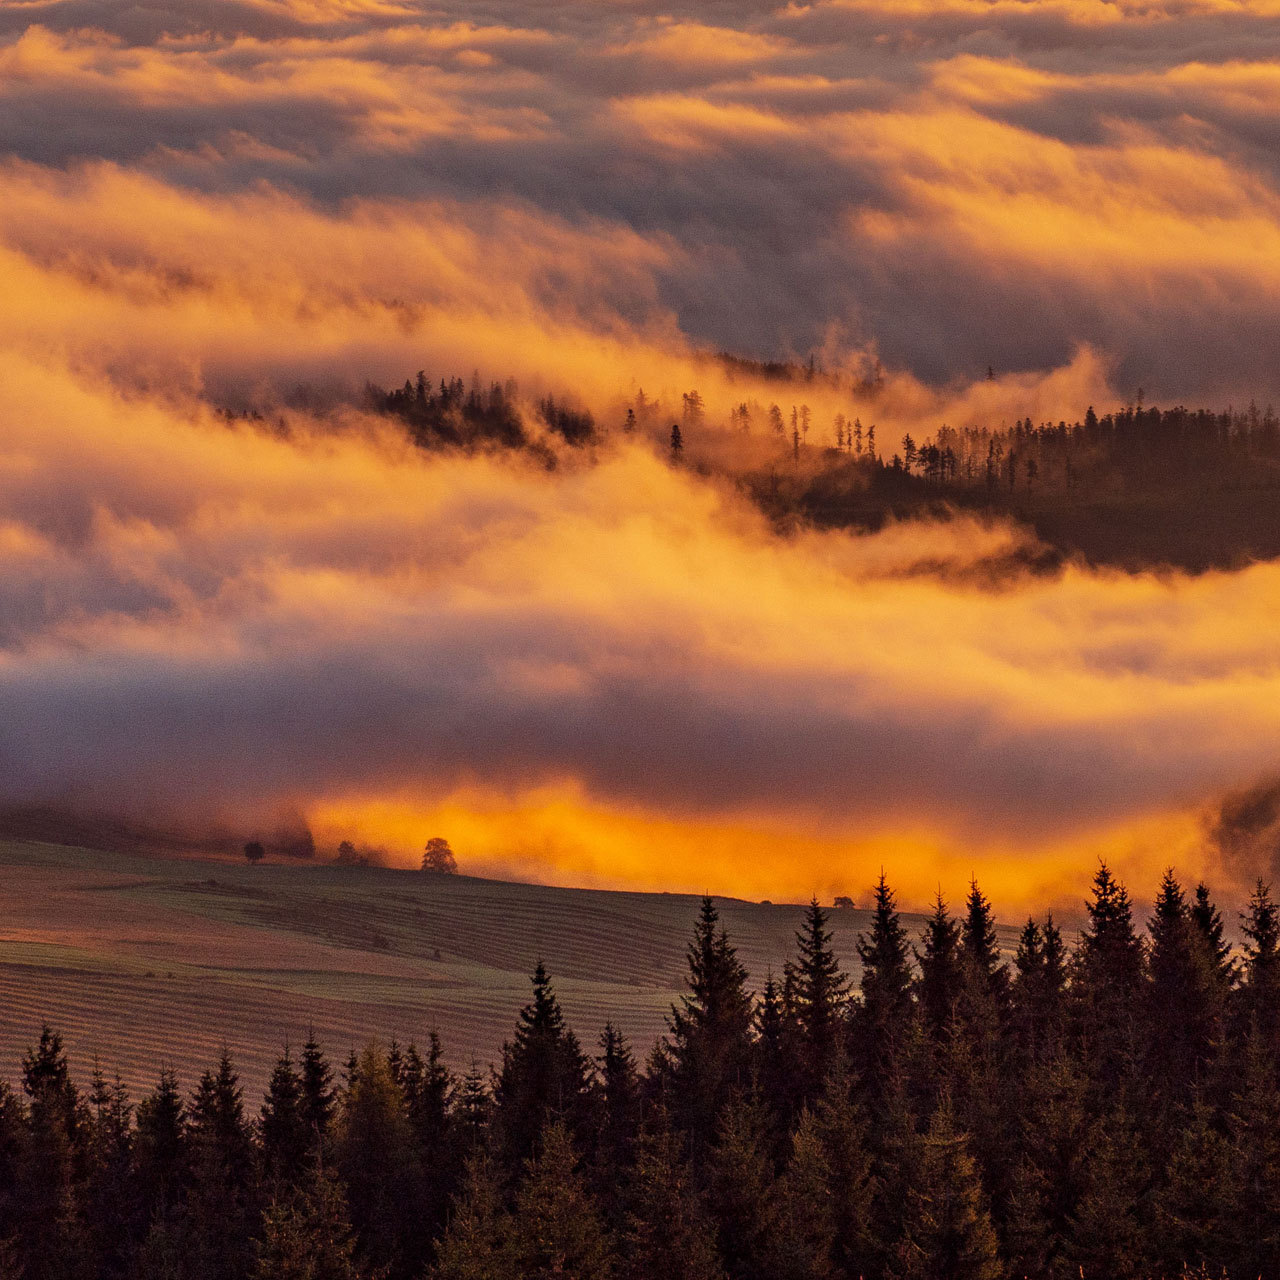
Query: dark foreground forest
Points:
[1108, 1110]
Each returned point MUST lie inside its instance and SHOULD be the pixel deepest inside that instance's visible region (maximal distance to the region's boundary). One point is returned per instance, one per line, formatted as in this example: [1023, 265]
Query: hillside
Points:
[147, 960]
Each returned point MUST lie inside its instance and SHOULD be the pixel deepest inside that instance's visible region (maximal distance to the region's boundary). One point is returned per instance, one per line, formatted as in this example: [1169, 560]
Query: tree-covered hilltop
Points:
[1137, 486]
[1108, 1108]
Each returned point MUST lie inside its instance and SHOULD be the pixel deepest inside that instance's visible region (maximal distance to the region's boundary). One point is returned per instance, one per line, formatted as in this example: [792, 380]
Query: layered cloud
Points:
[582, 672]
[956, 185]
[613, 670]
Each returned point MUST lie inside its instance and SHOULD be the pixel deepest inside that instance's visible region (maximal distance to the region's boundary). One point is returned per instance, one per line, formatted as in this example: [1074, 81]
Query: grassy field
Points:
[143, 961]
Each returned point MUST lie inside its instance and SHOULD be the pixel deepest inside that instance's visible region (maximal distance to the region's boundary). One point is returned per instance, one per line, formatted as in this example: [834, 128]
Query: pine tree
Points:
[941, 972]
[667, 1230]
[544, 1073]
[948, 1226]
[319, 1098]
[882, 1020]
[557, 1229]
[821, 994]
[282, 1126]
[743, 1197]
[707, 1055]
[307, 1236]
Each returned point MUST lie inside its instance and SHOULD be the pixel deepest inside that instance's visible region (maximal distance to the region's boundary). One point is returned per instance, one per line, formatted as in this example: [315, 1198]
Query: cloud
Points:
[211, 619]
[956, 185]
[200, 212]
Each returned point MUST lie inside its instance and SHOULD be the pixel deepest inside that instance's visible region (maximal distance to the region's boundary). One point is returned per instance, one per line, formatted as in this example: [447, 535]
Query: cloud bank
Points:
[613, 671]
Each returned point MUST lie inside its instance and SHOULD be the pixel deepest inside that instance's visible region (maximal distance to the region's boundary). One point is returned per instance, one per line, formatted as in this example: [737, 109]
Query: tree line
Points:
[1109, 1109]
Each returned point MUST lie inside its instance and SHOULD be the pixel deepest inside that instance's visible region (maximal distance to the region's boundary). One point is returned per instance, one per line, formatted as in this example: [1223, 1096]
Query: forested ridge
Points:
[1108, 1109]
[1135, 486]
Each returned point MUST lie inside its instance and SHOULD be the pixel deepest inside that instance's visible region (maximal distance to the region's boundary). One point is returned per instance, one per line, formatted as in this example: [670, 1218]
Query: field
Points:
[143, 961]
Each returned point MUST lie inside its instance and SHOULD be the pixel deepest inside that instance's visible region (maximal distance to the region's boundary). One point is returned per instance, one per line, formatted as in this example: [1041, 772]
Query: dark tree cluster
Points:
[1191, 488]
[1131, 449]
[1109, 1110]
[453, 415]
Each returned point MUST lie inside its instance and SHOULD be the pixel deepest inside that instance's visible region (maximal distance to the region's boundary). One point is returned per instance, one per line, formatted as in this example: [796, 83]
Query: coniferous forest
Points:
[1106, 1107]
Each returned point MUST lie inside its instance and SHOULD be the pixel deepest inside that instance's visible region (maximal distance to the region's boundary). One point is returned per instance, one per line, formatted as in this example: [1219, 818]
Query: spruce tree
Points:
[1254, 1121]
[941, 971]
[373, 1147]
[544, 1073]
[1108, 983]
[1109, 1234]
[820, 996]
[881, 1022]
[1187, 998]
[1260, 996]
[841, 1128]
[948, 1225]
[667, 1230]
[222, 1205]
[319, 1097]
[980, 947]
[477, 1244]
[707, 1055]
[53, 1233]
[282, 1126]
[1191, 1209]
[110, 1202]
[778, 1065]
[557, 1229]
[620, 1097]
[743, 1197]
[306, 1235]
[161, 1149]
[803, 1243]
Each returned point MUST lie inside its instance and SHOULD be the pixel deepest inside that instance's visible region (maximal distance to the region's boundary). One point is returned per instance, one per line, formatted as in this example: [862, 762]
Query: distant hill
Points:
[144, 961]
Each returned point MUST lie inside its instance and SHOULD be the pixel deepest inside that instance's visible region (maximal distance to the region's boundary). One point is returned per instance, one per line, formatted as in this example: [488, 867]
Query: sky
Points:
[613, 671]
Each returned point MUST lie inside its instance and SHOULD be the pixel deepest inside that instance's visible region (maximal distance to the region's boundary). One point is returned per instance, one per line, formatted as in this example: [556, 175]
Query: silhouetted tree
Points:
[438, 857]
[707, 1053]
[882, 1019]
[820, 994]
[544, 1072]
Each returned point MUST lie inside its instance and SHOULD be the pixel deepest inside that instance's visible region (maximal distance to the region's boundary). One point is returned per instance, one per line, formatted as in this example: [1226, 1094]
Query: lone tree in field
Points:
[254, 852]
[439, 857]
